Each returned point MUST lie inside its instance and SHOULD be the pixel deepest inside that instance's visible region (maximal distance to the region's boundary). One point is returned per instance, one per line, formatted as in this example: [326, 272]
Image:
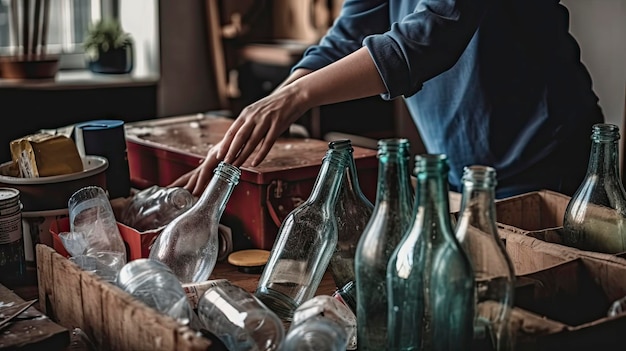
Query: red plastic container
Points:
[161, 150]
[137, 244]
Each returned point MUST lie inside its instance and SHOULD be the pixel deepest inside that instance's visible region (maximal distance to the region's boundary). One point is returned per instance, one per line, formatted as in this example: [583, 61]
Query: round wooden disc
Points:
[249, 258]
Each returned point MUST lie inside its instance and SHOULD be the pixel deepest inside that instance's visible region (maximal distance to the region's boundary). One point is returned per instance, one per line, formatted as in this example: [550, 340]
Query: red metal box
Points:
[161, 150]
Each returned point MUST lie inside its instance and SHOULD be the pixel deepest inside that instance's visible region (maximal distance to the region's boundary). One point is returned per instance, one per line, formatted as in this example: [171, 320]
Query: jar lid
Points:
[249, 261]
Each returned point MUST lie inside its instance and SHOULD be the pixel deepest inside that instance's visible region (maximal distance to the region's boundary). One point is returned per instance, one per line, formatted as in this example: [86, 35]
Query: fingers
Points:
[182, 180]
[227, 140]
[266, 146]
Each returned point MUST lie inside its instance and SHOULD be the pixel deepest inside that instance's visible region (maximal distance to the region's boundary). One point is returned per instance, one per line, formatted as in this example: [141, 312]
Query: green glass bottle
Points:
[595, 217]
[305, 242]
[430, 281]
[389, 221]
[477, 231]
[353, 210]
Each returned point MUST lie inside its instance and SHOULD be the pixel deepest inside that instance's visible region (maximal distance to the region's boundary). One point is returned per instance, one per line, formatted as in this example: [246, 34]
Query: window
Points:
[69, 21]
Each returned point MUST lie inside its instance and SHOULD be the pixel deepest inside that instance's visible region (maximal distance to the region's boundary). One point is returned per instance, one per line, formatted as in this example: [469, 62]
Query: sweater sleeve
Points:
[358, 19]
[408, 46]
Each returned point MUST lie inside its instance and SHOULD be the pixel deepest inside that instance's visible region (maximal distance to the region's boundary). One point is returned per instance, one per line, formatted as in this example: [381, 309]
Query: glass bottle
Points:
[305, 242]
[390, 220]
[477, 232]
[353, 210]
[595, 217]
[430, 282]
[239, 319]
[321, 323]
[189, 243]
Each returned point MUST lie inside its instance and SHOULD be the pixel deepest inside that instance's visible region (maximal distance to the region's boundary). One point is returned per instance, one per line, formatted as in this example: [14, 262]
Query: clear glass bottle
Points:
[305, 242]
[353, 210]
[430, 282]
[595, 217]
[155, 207]
[189, 244]
[239, 319]
[390, 220]
[321, 323]
[477, 232]
[155, 284]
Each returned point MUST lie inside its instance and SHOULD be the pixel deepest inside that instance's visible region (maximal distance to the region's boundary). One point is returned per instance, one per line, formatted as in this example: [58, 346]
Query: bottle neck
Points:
[478, 199]
[604, 156]
[431, 192]
[351, 186]
[219, 189]
[329, 179]
[393, 174]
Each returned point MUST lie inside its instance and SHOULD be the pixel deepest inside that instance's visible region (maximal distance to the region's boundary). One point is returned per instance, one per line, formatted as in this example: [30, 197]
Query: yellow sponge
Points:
[44, 155]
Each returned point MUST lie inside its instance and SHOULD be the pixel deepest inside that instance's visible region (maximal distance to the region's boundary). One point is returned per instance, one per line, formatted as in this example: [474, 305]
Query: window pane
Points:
[4, 23]
[82, 19]
[68, 23]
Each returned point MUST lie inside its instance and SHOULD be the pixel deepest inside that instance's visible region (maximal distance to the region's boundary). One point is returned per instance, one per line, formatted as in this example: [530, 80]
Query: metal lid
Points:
[8, 196]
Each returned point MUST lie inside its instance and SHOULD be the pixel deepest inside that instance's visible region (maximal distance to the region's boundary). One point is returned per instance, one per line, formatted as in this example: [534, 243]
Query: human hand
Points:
[198, 178]
[259, 125]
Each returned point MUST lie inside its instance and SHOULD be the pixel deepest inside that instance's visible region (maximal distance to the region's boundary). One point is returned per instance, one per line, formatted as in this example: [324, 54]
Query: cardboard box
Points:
[539, 215]
[565, 307]
[159, 151]
[532, 211]
[113, 319]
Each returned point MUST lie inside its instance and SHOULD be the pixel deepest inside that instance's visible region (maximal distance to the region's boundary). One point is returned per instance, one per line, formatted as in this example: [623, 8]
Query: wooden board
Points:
[32, 330]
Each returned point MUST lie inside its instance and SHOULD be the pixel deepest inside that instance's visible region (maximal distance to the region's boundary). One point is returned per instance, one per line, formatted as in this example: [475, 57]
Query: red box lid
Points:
[187, 139]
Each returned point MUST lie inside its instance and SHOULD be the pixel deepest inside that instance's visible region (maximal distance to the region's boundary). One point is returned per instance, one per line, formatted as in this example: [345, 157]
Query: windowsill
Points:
[82, 79]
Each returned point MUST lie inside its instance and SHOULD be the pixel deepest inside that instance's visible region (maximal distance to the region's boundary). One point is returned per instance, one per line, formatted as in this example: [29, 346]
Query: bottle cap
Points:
[249, 261]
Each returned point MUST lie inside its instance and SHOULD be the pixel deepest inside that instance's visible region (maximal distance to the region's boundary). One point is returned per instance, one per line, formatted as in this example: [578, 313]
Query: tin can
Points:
[12, 257]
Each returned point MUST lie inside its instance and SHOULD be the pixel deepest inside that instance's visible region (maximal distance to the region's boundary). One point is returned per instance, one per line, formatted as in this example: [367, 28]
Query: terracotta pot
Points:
[29, 67]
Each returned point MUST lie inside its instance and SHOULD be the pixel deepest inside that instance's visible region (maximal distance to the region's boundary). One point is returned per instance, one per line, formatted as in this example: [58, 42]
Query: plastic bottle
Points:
[239, 319]
[155, 284]
[321, 323]
[155, 207]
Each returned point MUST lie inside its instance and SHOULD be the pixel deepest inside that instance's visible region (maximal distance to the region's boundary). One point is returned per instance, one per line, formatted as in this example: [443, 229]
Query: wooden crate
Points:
[113, 319]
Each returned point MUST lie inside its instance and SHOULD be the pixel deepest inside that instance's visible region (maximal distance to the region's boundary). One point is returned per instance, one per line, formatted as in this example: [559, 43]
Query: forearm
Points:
[353, 77]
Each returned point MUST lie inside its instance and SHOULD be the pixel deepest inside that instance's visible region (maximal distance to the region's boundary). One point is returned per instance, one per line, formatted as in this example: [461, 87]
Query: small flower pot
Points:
[114, 61]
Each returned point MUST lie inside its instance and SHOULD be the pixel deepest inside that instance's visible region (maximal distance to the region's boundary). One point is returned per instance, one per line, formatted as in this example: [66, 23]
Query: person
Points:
[491, 82]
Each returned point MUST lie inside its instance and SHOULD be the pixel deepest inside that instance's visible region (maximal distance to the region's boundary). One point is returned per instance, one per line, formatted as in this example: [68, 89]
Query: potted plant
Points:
[108, 47]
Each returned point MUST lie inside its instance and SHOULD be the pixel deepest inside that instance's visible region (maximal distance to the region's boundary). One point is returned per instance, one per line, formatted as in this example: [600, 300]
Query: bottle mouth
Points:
[228, 172]
[603, 132]
[479, 175]
[431, 163]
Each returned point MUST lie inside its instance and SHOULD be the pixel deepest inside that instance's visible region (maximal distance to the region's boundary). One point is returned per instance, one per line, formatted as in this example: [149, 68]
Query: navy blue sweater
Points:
[490, 82]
